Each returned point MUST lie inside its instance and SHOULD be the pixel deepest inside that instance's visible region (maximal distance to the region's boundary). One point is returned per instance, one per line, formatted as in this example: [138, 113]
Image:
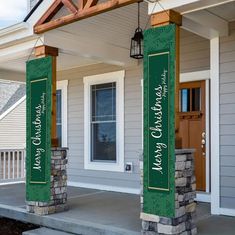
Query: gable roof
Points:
[10, 93]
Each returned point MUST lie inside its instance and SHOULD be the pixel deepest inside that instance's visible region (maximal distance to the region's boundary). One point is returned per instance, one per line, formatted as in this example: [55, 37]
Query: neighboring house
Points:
[12, 130]
[12, 115]
[100, 94]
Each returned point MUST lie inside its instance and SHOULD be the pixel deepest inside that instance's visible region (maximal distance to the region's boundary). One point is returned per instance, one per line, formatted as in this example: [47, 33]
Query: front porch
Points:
[100, 212]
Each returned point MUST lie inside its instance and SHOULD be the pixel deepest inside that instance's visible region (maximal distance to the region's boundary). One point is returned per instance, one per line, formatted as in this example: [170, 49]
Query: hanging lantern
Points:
[136, 50]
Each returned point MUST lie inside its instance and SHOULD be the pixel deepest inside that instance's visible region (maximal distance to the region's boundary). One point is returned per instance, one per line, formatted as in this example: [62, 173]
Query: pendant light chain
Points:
[136, 49]
[138, 14]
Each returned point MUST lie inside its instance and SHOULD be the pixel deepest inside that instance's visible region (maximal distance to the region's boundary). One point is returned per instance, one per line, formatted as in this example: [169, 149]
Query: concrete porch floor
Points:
[95, 212]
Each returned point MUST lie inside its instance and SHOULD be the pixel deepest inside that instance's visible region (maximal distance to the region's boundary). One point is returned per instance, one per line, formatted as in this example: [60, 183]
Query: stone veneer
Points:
[185, 192]
[58, 201]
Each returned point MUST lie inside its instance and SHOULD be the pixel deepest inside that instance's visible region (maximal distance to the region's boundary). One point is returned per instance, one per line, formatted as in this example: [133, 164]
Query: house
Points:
[12, 115]
[13, 128]
[99, 90]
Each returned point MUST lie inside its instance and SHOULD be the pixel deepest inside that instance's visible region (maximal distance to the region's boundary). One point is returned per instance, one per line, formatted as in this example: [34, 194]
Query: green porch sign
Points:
[159, 121]
[39, 107]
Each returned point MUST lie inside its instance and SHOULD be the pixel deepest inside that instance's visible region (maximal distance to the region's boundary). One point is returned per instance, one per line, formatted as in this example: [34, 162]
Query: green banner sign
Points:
[39, 107]
[159, 121]
[158, 151]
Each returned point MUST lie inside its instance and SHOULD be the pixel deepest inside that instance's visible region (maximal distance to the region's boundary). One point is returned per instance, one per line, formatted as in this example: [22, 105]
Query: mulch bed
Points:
[13, 227]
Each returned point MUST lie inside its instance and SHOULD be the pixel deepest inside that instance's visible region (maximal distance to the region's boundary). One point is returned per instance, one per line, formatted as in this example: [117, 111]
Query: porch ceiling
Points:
[226, 11]
[104, 38]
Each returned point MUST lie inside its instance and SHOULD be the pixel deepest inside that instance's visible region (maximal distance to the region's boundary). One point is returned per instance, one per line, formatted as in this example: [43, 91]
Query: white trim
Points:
[215, 159]
[195, 76]
[166, 5]
[203, 197]
[184, 6]
[117, 77]
[200, 76]
[63, 86]
[13, 28]
[213, 23]
[12, 107]
[104, 187]
[207, 130]
[225, 211]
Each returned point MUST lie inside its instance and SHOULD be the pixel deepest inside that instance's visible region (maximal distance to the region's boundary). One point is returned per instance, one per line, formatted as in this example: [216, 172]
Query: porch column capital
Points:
[165, 18]
[44, 50]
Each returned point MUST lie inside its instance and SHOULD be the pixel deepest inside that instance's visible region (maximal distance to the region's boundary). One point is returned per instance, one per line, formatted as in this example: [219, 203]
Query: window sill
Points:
[104, 166]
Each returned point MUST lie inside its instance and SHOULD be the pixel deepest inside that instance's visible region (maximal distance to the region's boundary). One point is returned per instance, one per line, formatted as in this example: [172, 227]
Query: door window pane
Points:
[58, 117]
[103, 122]
[196, 99]
[185, 100]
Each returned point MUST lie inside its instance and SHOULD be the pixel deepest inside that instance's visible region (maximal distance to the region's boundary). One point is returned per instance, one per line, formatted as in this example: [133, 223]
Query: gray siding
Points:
[195, 56]
[133, 127]
[12, 128]
[227, 119]
[194, 52]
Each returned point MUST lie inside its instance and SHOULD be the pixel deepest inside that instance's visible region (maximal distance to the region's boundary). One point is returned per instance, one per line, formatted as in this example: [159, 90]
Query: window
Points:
[58, 117]
[190, 99]
[104, 127]
[61, 112]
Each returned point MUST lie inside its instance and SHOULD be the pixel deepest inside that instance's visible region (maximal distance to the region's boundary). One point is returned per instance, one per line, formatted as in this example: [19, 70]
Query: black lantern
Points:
[136, 50]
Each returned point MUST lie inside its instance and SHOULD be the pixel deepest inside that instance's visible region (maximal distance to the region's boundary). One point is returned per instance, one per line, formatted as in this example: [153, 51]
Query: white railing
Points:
[12, 164]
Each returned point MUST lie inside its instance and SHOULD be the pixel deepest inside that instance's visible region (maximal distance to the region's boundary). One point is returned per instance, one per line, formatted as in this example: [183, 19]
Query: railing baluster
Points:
[4, 165]
[1, 166]
[18, 163]
[13, 164]
[22, 163]
[9, 161]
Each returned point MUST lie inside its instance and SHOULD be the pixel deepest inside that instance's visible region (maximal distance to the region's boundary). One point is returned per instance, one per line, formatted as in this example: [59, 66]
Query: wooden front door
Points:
[192, 126]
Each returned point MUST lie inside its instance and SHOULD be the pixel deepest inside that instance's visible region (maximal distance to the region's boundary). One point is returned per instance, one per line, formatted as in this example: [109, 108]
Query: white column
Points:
[215, 143]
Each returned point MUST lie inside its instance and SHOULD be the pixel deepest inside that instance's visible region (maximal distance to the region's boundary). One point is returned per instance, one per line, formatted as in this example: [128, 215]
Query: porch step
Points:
[45, 231]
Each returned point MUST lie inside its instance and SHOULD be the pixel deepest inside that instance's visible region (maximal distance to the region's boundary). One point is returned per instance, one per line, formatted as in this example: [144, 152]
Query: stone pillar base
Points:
[185, 192]
[58, 202]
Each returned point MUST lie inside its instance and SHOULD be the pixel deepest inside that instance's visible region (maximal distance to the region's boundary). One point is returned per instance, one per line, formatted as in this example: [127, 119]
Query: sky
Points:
[12, 12]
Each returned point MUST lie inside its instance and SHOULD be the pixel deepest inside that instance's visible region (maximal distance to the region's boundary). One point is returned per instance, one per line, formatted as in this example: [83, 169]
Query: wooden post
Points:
[161, 19]
[43, 51]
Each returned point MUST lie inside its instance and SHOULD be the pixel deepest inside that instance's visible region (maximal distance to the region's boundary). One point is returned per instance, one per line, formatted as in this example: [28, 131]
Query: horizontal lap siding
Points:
[227, 119]
[194, 52]
[12, 128]
[133, 127]
[194, 57]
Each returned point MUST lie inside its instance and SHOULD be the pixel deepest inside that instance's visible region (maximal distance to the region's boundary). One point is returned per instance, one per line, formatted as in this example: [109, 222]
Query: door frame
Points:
[203, 75]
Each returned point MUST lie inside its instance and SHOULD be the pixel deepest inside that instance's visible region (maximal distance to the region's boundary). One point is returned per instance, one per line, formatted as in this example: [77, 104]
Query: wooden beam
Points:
[43, 51]
[81, 4]
[51, 12]
[70, 6]
[165, 18]
[81, 14]
[161, 19]
[90, 3]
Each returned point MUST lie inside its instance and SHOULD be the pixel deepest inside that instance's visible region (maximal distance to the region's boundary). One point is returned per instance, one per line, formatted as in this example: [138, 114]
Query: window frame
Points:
[63, 86]
[118, 78]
